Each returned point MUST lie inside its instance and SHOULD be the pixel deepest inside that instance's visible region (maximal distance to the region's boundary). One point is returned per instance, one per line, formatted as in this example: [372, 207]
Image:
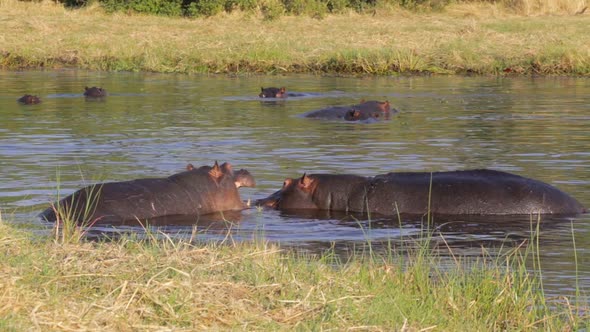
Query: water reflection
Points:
[152, 125]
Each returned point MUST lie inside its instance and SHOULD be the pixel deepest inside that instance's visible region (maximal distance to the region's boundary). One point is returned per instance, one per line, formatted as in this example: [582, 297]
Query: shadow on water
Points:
[214, 225]
[458, 233]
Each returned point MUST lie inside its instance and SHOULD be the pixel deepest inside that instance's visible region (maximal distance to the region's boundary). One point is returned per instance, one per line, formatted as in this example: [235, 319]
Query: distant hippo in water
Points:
[94, 92]
[365, 111]
[280, 93]
[198, 191]
[473, 192]
[273, 92]
[29, 100]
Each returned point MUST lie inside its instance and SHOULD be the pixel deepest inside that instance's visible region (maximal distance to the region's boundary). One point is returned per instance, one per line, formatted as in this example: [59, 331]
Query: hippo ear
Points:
[362, 100]
[305, 182]
[261, 89]
[227, 168]
[190, 167]
[287, 182]
[215, 172]
[282, 90]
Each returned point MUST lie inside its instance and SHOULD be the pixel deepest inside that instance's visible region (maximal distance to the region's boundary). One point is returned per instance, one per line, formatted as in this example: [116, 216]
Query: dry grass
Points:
[467, 38]
[546, 7]
[156, 285]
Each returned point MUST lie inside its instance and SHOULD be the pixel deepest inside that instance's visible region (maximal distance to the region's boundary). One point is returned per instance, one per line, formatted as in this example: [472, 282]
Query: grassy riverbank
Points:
[162, 284]
[479, 38]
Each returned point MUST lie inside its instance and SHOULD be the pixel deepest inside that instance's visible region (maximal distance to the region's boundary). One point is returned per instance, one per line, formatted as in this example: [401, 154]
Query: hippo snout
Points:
[272, 201]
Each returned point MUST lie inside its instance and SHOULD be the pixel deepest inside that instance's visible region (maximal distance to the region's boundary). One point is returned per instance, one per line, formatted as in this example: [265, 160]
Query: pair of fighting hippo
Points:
[205, 190]
[93, 92]
[365, 111]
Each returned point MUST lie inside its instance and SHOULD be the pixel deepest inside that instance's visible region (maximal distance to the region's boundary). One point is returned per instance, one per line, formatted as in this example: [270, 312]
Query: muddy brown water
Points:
[152, 125]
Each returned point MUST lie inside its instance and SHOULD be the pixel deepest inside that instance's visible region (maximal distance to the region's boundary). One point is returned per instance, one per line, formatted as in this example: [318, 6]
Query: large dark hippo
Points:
[365, 111]
[94, 92]
[29, 100]
[473, 192]
[198, 191]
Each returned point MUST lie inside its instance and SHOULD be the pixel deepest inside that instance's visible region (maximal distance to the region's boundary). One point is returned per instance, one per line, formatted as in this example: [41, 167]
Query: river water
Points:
[152, 125]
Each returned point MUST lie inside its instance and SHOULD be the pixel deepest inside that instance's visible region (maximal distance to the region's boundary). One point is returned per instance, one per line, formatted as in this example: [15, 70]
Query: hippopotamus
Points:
[273, 92]
[94, 92]
[197, 191]
[470, 192]
[242, 178]
[29, 100]
[365, 111]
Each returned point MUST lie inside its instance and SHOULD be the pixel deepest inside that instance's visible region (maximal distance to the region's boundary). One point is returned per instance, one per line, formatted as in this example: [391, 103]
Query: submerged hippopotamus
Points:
[472, 192]
[365, 111]
[94, 92]
[273, 92]
[197, 191]
[279, 93]
[29, 100]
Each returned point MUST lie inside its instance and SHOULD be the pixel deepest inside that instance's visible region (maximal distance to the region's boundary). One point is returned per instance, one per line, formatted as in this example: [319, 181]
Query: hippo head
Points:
[273, 92]
[352, 115]
[29, 100]
[295, 194]
[241, 178]
[369, 110]
[94, 92]
[384, 106]
[359, 115]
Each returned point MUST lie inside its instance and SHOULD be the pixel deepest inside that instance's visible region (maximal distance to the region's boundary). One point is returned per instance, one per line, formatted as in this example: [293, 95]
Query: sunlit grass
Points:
[464, 38]
[73, 216]
[159, 283]
[546, 7]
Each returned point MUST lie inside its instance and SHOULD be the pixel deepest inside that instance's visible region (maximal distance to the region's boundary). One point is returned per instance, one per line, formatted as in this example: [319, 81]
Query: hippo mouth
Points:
[268, 203]
[271, 201]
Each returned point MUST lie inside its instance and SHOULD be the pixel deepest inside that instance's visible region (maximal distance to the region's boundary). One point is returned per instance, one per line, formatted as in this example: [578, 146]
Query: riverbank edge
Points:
[153, 282]
[331, 67]
[464, 39]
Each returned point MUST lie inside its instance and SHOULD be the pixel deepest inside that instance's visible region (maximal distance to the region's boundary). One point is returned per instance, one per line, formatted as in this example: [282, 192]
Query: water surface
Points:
[152, 125]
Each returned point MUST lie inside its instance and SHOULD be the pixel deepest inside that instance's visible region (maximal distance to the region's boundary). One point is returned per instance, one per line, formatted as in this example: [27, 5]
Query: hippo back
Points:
[330, 113]
[475, 192]
[193, 192]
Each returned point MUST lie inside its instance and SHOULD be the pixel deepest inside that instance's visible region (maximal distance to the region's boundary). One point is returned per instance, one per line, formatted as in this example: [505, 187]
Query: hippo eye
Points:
[376, 115]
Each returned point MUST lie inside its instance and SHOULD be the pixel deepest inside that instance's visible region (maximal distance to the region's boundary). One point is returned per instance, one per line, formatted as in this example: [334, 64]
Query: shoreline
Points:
[461, 40]
[64, 282]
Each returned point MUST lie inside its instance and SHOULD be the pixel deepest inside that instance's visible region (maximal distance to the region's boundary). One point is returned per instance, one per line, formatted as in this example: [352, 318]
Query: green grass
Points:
[475, 37]
[152, 284]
